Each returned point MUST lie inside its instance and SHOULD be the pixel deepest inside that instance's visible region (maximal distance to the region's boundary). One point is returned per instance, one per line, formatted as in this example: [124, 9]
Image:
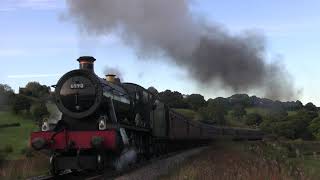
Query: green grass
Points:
[312, 167]
[17, 137]
[231, 121]
[186, 112]
[264, 111]
[309, 165]
[292, 113]
[234, 122]
[261, 111]
[25, 168]
[305, 147]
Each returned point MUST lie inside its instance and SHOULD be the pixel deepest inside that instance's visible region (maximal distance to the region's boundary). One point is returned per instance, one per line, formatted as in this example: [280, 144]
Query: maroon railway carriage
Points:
[106, 123]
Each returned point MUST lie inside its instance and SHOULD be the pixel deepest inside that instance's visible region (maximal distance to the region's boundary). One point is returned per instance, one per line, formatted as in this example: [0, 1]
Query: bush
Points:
[39, 111]
[35, 89]
[253, 119]
[173, 99]
[291, 127]
[27, 152]
[8, 148]
[238, 111]
[2, 157]
[314, 128]
[21, 103]
[310, 107]
[213, 114]
[196, 101]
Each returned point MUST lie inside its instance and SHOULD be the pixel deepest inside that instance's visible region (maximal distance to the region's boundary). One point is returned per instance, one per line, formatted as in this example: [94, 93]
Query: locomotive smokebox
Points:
[86, 62]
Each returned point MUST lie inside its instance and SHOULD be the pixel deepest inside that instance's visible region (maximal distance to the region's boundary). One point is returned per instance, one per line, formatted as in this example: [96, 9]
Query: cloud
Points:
[32, 52]
[280, 29]
[12, 5]
[11, 52]
[6, 9]
[22, 76]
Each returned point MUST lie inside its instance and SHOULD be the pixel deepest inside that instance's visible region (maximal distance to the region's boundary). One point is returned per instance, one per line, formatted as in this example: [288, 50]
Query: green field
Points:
[16, 137]
[233, 122]
[230, 121]
[189, 113]
[311, 166]
[261, 111]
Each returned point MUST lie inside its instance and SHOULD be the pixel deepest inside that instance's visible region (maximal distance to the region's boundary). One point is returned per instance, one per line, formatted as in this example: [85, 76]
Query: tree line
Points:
[30, 101]
[291, 120]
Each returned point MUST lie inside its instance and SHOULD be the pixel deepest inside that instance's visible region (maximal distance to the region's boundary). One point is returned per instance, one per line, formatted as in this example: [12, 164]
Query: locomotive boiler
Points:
[107, 123]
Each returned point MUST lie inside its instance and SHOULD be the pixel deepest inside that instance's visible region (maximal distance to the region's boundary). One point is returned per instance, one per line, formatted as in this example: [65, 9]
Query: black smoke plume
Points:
[206, 50]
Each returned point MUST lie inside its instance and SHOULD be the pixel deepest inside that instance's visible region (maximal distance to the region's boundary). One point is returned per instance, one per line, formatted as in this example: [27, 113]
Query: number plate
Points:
[77, 86]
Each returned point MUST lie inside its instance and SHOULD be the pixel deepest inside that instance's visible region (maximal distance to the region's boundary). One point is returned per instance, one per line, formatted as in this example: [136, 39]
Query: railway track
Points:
[108, 174]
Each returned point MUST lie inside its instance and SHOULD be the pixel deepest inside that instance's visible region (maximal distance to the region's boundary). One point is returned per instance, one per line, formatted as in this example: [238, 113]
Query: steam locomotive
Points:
[107, 123]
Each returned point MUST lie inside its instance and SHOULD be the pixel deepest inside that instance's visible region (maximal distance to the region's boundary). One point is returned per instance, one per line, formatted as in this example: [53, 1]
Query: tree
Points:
[292, 106]
[21, 103]
[40, 111]
[5, 89]
[239, 99]
[310, 115]
[213, 113]
[253, 119]
[269, 124]
[238, 111]
[277, 110]
[6, 94]
[35, 89]
[310, 107]
[196, 101]
[173, 99]
[292, 127]
[314, 128]
[224, 102]
[299, 105]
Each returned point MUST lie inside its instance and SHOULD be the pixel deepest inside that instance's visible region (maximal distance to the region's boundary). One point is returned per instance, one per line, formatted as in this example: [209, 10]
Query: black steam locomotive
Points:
[106, 123]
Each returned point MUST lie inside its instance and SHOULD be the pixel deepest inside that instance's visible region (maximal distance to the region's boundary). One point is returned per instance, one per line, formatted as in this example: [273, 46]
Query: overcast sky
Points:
[37, 44]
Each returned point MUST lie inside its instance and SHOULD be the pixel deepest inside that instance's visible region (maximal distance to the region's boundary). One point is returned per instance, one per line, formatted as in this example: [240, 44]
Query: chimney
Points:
[86, 62]
[111, 78]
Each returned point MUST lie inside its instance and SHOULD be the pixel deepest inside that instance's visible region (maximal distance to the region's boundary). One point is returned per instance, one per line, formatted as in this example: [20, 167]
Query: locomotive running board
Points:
[126, 126]
[135, 128]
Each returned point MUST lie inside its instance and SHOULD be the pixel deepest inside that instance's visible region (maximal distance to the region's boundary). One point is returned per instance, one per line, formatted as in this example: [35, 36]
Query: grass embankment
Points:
[189, 113]
[17, 160]
[15, 138]
[306, 154]
[25, 167]
[230, 121]
[248, 160]
[262, 111]
[234, 122]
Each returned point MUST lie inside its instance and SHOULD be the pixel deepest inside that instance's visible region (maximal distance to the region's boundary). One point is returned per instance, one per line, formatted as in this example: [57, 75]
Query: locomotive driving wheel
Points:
[100, 163]
[53, 169]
